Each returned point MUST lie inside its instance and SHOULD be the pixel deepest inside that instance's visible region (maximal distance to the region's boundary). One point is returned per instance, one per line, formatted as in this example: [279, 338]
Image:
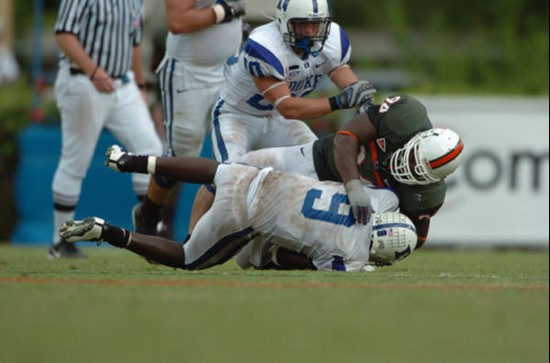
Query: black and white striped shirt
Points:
[107, 29]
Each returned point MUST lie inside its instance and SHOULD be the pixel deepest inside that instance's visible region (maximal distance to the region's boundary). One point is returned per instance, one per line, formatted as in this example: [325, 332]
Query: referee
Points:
[98, 85]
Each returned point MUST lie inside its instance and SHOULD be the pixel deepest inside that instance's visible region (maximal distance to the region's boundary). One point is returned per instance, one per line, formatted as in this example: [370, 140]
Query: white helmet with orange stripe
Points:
[428, 157]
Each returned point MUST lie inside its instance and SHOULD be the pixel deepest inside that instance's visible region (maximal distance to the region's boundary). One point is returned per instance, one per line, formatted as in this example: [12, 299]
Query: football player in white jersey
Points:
[202, 35]
[263, 100]
[296, 212]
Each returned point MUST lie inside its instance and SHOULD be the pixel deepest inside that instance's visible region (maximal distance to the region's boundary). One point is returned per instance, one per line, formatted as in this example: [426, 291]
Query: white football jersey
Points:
[313, 218]
[266, 54]
[206, 50]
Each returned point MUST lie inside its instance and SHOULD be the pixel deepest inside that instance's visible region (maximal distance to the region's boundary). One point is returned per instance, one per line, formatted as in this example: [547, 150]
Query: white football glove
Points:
[359, 200]
[353, 95]
[117, 158]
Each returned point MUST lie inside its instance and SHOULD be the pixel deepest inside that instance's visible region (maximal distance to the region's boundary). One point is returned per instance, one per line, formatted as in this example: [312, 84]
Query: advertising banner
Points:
[499, 195]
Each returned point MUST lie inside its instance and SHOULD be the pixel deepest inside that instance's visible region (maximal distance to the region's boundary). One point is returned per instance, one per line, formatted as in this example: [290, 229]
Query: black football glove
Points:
[231, 9]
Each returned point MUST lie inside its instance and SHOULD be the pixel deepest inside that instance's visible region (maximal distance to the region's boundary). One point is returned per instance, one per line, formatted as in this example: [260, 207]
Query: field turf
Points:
[436, 306]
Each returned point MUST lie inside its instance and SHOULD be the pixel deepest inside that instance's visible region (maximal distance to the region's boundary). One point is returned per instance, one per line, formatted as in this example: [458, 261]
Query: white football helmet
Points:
[428, 157]
[393, 238]
[292, 12]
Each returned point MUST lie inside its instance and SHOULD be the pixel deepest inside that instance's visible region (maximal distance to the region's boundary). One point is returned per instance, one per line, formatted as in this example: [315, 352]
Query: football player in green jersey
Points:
[393, 144]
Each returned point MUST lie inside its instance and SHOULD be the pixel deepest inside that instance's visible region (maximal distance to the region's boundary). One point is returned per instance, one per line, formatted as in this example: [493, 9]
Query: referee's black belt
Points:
[75, 71]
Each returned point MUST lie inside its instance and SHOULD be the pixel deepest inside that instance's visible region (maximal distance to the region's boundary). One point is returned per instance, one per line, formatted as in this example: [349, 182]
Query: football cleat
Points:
[117, 158]
[89, 229]
[64, 250]
[143, 225]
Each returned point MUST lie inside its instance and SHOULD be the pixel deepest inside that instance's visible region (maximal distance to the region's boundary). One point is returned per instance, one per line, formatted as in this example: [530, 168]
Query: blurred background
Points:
[481, 68]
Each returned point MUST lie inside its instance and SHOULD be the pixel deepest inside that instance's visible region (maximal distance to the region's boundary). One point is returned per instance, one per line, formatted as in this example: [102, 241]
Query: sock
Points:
[116, 236]
[136, 164]
[60, 215]
[150, 209]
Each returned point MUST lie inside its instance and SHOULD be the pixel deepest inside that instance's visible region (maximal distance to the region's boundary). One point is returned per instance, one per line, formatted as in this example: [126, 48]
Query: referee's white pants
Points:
[84, 113]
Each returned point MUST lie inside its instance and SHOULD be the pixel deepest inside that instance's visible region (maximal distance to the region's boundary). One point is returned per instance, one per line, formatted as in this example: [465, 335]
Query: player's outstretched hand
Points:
[117, 158]
[353, 95]
[359, 200]
[227, 10]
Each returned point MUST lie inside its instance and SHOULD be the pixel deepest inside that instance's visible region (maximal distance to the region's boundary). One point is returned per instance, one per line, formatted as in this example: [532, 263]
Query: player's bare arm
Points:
[189, 169]
[356, 132]
[422, 226]
[290, 260]
[137, 65]
[183, 17]
[359, 131]
[278, 93]
[72, 47]
[298, 108]
[342, 76]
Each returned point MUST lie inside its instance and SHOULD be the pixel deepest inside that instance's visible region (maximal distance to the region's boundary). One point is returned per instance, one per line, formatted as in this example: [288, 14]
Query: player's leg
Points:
[231, 137]
[133, 126]
[188, 129]
[224, 229]
[153, 248]
[286, 132]
[131, 123]
[292, 159]
[222, 232]
[83, 111]
[202, 203]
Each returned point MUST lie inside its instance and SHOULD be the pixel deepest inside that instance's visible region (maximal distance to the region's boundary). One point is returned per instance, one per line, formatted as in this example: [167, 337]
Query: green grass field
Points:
[436, 306]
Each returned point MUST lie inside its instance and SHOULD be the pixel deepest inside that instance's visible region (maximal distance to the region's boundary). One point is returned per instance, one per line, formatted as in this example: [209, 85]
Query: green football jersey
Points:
[396, 121]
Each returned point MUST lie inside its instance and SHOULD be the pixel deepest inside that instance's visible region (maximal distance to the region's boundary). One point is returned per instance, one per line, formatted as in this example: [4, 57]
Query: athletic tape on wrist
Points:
[151, 164]
[352, 184]
[129, 238]
[220, 13]
[279, 100]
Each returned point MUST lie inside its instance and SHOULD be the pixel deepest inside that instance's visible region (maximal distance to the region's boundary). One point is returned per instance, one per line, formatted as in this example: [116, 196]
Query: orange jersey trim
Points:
[347, 133]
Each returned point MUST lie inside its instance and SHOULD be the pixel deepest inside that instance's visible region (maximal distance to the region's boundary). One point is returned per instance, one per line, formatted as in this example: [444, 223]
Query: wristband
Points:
[219, 11]
[279, 100]
[93, 73]
[353, 184]
[334, 103]
[151, 164]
